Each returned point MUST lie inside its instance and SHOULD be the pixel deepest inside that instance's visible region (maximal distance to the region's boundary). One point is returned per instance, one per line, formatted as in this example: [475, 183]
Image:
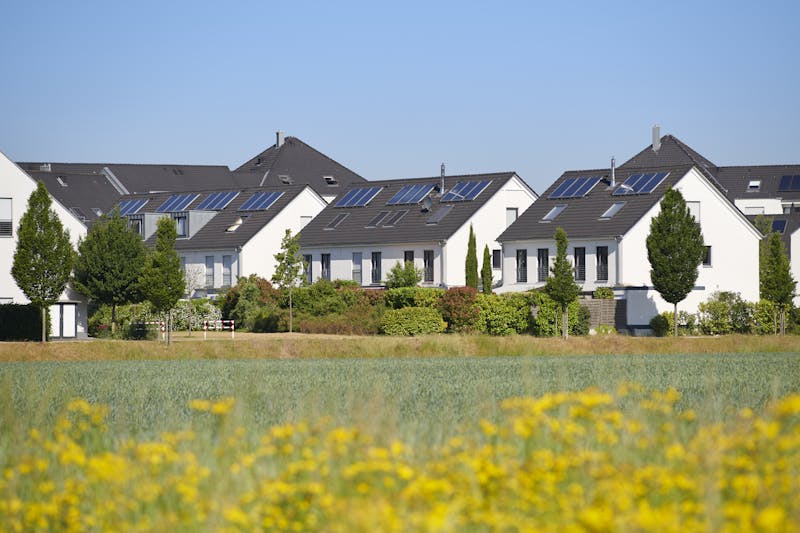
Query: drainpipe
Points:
[618, 260]
[442, 264]
[238, 250]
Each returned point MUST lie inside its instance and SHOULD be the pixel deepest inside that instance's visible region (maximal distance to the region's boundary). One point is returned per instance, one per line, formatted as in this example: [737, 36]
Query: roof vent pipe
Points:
[279, 139]
[656, 138]
[613, 169]
[442, 185]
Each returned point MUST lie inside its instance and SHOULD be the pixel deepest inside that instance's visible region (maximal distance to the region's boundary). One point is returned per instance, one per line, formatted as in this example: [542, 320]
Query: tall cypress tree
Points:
[110, 261]
[161, 281]
[471, 263]
[674, 249]
[561, 286]
[778, 284]
[486, 271]
[44, 256]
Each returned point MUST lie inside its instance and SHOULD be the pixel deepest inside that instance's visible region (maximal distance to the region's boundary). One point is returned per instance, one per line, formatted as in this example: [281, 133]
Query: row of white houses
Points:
[230, 223]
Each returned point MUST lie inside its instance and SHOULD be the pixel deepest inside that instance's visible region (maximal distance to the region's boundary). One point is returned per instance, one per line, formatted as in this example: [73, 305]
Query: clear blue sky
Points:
[393, 89]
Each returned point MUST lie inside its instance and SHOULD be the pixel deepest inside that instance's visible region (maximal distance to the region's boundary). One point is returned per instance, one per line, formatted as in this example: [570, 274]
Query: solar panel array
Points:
[410, 194]
[575, 187]
[779, 226]
[465, 191]
[790, 183]
[260, 201]
[358, 197]
[131, 207]
[641, 183]
[217, 200]
[177, 202]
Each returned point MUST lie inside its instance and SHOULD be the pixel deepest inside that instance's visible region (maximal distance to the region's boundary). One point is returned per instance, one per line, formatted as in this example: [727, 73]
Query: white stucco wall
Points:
[759, 206]
[794, 262]
[17, 185]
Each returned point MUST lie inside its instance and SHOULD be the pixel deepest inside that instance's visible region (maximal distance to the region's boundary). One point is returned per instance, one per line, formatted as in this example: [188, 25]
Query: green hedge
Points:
[20, 322]
[413, 297]
[412, 321]
[546, 319]
[504, 314]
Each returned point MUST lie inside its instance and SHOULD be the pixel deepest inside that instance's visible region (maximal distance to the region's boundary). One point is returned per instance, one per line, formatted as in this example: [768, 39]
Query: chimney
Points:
[613, 170]
[279, 140]
[656, 138]
[442, 170]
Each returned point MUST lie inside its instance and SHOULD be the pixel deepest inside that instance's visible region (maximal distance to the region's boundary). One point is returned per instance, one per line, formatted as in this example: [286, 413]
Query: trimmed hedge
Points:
[504, 314]
[412, 321]
[20, 322]
[400, 297]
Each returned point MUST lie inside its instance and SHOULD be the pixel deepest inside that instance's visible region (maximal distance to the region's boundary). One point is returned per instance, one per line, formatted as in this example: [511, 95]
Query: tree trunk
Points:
[44, 323]
[783, 321]
[113, 318]
[565, 322]
[290, 309]
[675, 318]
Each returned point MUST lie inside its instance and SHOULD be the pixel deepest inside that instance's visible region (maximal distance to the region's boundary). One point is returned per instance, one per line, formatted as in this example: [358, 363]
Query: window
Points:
[357, 267]
[611, 211]
[6, 223]
[694, 209]
[497, 259]
[754, 186]
[209, 271]
[553, 213]
[408, 256]
[543, 257]
[136, 225]
[580, 263]
[707, 256]
[227, 263]
[376, 267]
[307, 266]
[180, 226]
[511, 215]
[602, 263]
[522, 266]
[754, 210]
[325, 268]
[183, 264]
[427, 266]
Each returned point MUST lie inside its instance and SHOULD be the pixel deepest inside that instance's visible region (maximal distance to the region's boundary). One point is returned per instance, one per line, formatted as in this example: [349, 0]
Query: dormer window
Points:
[754, 186]
[553, 213]
[611, 211]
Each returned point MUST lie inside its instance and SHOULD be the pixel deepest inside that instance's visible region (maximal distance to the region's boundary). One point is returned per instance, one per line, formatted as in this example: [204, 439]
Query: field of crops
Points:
[700, 442]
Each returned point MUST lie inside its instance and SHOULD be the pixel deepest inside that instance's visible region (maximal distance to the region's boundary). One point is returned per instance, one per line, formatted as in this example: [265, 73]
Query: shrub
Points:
[459, 309]
[660, 324]
[411, 321]
[503, 314]
[187, 315]
[20, 322]
[603, 293]
[318, 299]
[725, 312]
[686, 324]
[255, 290]
[546, 316]
[403, 275]
[413, 297]
[763, 318]
[605, 329]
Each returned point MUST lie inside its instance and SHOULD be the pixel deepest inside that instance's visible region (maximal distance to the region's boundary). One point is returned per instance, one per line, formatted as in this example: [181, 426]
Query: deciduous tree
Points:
[161, 281]
[403, 275]
[44, 256]
[778, 284]
[674, 249]
[289, 267]
[561, 286]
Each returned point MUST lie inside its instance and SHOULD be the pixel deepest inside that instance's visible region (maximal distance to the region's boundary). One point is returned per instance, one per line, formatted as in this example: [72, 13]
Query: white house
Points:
[606, 214]
[371, 227]
[68, 318]
[225, 234]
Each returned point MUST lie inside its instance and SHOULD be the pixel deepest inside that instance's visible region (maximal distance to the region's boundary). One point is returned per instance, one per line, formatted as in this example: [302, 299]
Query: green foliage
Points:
[603, 293]
[471, 262]
[403, 275]
[187, 315]
[486, 271]
[723, 313]
[687, 324]
[763, 224]
[110, 262]
[20, 322]
[44, 256]
[318, 299]
[413, 297]
[778, 284]
[546, 315]
[674, 248]
[660, 324]
[460, 310]
[605, 329]
[251, 300]
[412, 321]
[764, 320]
[561, 286]
[289, 268]
[504, 314]
[161, 281]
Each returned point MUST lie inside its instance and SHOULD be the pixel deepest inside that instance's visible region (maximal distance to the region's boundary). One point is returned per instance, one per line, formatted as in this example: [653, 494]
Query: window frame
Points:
[542, 264]
[601, 263]
[522, 265]
[375, 268]
[357, 267]
[427, 266]
[579, 265]
[209, 284]
[325, 266]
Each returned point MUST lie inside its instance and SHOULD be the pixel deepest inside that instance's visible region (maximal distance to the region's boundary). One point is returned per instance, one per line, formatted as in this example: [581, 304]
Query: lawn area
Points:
[197, 441]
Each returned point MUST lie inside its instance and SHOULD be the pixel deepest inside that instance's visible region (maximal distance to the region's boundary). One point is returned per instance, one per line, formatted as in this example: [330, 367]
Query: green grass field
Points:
[421, 399]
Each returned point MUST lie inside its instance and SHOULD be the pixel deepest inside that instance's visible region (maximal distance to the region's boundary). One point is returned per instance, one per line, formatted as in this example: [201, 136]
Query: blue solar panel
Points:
[410, 194]
[465, 191]
[177, 202]
[260, 201]
[779, 226]
[790, 183]
[358, 197]
[641, 183]
[130, 207]
[575, 187]
[217, 200]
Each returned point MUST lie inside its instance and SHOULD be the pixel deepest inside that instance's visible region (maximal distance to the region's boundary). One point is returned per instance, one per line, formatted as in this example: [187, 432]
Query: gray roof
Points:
[213, 234]
[737, 179]
[295, 162]
[581, 217]
[672, 152]
[792, 224]
[412, 228]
